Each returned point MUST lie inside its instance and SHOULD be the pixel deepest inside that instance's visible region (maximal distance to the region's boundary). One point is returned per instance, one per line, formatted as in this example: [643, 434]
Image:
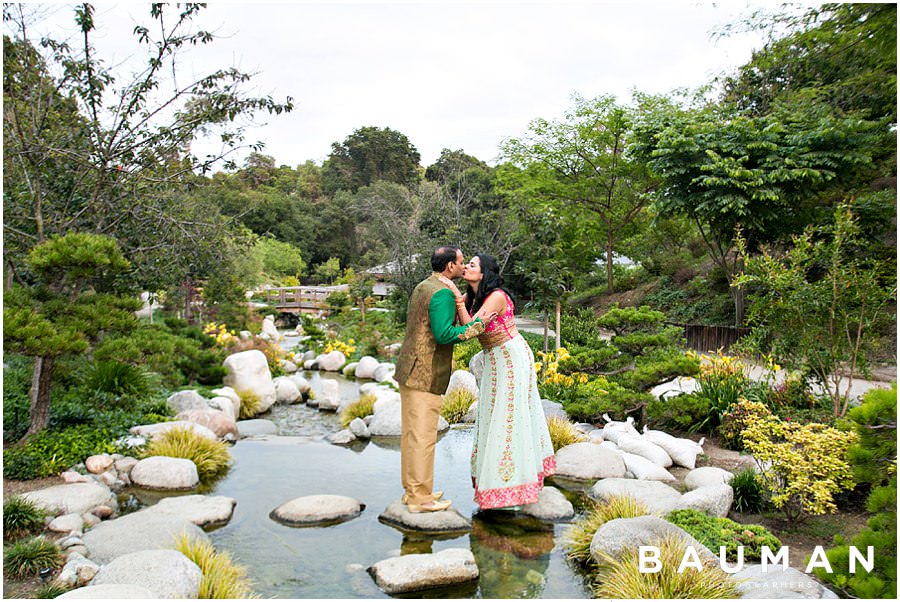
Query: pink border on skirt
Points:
[519, 495]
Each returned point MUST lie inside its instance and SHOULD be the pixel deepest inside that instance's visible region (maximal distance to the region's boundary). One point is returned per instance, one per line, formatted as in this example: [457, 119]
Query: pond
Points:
[516, 558]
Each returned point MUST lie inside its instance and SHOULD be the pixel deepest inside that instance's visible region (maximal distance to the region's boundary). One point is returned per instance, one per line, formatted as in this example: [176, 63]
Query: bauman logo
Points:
[648, 559]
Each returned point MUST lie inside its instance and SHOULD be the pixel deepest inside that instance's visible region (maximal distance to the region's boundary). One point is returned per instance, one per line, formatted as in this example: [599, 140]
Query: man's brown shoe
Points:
[435, 495]
[431, 506]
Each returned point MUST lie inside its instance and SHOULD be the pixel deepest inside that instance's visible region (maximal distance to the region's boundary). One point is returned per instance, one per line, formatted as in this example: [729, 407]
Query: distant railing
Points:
[706, 338]
[295, 299]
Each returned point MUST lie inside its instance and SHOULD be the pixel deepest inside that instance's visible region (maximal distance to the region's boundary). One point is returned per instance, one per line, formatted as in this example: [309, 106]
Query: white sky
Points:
[458, 75]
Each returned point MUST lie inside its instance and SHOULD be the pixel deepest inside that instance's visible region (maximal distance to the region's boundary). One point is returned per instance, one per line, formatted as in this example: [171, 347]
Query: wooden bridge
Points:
[298, 299]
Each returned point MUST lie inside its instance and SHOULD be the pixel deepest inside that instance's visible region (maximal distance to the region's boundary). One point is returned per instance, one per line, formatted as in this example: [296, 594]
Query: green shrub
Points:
[222, 578]
[360, 408]
[686, 412]
[17, 372]
[563, 433]
[749, 493]
[587, 401]
[578, 536]
[455, 404]
[177, 358]
[579, 327]
[880, 533]
[211, 457]
[21, 517]
[52, 451]
[464, 352]
[117, 379]
[875, 423]
[714, 532]
[721, 382]
[26, 557]
[621, 578]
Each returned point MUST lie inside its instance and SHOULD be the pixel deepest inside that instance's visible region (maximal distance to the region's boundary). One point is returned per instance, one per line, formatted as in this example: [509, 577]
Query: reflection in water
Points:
[512, 555]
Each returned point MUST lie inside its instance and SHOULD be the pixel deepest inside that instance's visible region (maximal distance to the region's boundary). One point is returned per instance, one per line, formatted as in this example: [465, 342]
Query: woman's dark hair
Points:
[489, 283]
[442, 256]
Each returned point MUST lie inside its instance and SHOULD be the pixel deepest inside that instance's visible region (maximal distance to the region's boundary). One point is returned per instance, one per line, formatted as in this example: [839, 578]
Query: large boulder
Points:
[313, 510]
[186, 400]
[476, 366]
[302, 384]
[162, 472]
[384, 371]
[226, 405]
[286, 390]
[366, 367]
[329, 395]
[462, 379]
[714, 500]
[217, 421]
[588, 462]
[142, 530]
[658, 497]
[417, 572]
[72, 498]
[332, 361]
[386, 422]
[706, 476]
[779, 582]
[202, 510]
[167, 573]
[268, 331]
[248, 373]
[109, 592]
[553, 409]
[621, 535]
[152, 431]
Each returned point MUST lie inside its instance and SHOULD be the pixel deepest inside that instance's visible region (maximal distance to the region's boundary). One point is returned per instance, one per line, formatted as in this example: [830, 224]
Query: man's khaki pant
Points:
[419, 421]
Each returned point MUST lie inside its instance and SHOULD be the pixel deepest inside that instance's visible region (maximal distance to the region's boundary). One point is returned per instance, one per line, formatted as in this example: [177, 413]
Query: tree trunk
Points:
[609, 262]
[558, 312]
[737, 293]
[39, 415]
[546, 330]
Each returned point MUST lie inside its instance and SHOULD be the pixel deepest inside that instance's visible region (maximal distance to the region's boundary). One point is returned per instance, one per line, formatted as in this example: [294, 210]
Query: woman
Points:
[512, 452]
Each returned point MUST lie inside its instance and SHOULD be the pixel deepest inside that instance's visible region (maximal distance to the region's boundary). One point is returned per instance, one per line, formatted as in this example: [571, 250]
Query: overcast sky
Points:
[446, 74]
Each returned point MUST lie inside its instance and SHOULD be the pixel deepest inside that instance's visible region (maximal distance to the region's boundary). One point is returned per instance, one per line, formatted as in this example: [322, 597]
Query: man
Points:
[423, 372]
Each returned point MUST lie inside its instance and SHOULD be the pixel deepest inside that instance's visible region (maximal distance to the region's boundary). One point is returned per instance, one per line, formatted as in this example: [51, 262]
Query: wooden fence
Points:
[706, 338]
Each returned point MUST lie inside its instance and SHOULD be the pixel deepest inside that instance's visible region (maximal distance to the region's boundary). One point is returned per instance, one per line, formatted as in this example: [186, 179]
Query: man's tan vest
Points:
[423, 363]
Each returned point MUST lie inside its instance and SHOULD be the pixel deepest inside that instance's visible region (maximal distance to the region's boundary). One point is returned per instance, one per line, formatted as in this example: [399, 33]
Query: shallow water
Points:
[517, 558]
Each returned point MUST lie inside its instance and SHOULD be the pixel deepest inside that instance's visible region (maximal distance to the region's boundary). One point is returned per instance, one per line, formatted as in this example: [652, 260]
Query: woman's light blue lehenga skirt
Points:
[512, 452]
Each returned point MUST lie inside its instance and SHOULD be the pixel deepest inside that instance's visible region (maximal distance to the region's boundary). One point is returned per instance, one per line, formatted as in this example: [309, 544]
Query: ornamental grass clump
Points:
[250, 404]
[211, 457]
[456, 403]
[802, 465]
[28, 556]
[362, 407]
[577, 538]
[21, 517]
[563, 433]
[222, 579]
[621, 578]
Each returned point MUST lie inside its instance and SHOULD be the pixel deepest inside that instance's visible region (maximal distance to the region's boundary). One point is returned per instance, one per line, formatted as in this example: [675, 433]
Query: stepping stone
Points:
[551, 505]
[445, 521]
[256, 427]
[417, 572]
[317, 510]
[141, 530]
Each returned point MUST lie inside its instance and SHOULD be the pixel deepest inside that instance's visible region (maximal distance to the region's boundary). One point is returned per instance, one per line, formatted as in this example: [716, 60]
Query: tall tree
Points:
[368, 155]
[726, 170]
[586, 169]
[93, 150]
[72, 306]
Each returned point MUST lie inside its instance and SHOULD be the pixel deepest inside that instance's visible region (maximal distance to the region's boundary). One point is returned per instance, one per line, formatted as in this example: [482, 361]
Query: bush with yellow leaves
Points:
[802, 465]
